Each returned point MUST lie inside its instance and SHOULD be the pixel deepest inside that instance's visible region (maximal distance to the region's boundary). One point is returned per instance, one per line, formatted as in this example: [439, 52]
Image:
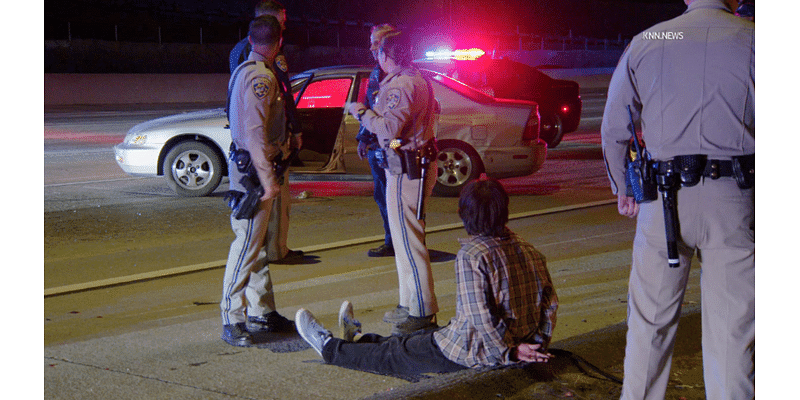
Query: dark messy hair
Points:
[269, 7]
[265, 30]
[397, 46]
[483, 206]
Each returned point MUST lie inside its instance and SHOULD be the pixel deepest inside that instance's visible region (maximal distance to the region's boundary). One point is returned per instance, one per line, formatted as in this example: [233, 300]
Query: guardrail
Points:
[300, 32]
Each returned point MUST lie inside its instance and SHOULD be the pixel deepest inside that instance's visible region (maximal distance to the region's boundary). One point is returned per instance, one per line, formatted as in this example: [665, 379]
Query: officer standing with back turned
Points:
[277, 248]
[690, 83]
[258, 130]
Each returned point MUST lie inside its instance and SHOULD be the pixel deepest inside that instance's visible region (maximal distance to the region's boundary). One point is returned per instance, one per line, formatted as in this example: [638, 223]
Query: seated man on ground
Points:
[505, 310]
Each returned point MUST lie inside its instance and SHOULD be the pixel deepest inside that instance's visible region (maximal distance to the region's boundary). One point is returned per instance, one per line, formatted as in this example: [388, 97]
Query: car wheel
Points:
[458, 163]
[192, 169]
[552, 130]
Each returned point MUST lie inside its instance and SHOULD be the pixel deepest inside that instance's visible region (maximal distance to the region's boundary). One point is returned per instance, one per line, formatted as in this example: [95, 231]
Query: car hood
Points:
[198, 119]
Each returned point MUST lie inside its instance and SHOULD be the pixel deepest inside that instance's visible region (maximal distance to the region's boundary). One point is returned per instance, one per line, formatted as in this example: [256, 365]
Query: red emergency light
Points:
[461, 54]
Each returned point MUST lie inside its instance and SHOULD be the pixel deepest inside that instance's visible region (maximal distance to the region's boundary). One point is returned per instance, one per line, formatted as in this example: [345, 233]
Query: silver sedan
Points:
[476, 134]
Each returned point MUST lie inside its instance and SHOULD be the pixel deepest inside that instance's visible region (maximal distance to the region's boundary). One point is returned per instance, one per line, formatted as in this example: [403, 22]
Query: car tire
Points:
[192, 169]
[457, 164]
[552, 130]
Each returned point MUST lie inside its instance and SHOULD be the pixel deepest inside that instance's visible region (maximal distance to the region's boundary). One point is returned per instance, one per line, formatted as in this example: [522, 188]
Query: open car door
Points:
[320, 109]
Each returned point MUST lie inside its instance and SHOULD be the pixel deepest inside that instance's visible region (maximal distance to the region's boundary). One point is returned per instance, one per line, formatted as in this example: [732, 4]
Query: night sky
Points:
[595, 18]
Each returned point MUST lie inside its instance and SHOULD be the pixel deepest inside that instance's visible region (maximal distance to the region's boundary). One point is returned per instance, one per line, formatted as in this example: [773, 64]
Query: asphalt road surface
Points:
[124, 253]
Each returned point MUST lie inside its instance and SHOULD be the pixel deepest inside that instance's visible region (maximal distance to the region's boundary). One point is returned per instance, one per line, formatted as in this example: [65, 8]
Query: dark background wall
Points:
[181, 36]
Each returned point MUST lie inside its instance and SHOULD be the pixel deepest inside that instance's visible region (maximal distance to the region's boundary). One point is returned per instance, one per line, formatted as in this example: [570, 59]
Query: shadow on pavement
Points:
[586, 367]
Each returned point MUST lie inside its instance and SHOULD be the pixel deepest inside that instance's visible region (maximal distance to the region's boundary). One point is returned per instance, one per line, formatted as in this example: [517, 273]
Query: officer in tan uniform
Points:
[258, 126]
[278, 232]
[690, 81]
[404, 114]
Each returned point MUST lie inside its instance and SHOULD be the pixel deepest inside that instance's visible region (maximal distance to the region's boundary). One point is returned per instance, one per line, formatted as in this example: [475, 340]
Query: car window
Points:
[326, 93]
[459, 87]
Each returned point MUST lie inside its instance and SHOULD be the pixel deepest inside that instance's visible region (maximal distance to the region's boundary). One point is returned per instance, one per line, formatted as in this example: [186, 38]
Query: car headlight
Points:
[137, 140]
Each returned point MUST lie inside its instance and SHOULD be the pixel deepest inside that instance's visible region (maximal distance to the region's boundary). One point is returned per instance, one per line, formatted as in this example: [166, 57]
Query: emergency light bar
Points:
[471, 54]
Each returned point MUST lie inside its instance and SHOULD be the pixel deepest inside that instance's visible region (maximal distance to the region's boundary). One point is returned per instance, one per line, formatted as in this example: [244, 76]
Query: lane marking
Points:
[146, 276]
[97, 181]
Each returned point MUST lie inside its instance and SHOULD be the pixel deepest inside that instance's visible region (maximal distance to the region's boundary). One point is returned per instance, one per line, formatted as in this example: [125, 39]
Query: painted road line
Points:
[146, 276]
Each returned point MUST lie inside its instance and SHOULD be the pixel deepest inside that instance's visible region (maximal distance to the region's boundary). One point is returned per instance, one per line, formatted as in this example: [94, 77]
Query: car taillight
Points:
[531, 133]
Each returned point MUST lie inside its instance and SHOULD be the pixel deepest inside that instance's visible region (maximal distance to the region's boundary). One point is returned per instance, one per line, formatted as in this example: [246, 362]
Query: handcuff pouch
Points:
[690, 168]
[744, 170]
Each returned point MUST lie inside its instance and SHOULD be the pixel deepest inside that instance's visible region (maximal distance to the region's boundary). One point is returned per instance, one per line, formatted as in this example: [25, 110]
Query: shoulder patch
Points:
[393, 98]
[280, 62]
[260, 87]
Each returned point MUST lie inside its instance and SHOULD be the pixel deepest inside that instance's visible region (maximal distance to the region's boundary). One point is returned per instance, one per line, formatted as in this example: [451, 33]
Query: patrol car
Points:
[559, 100]
[476, 134]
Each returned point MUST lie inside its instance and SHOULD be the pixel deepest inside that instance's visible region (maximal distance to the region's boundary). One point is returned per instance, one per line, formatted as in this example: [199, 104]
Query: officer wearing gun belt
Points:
[277, 235]
[403, 120]
[258, 132]
[690, 83]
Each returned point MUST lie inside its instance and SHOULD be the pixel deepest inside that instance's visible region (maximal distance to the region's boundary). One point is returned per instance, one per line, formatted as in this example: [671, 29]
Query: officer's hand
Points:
[362, 150]
[296, 142]
[271, 191]
[627, 206]
[529, 352]
[354, 108]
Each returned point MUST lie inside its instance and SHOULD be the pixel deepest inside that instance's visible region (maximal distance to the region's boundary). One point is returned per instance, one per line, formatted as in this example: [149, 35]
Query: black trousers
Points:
[412, 354]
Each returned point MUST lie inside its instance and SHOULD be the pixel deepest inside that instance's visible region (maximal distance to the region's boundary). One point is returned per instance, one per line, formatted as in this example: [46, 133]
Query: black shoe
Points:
[293, 254]
[414, 324]
[271, 322]
[384, 250]
[397, 315]
[237, 335]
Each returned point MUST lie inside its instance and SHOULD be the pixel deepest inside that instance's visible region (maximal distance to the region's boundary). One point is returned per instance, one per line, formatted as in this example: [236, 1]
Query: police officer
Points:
[747, 10]
[690, 81]
[258, 126]
[277, 247]
[369, 148]
[403, 114]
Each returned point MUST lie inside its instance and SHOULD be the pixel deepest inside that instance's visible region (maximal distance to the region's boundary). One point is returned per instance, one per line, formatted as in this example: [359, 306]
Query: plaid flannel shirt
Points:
[504, 297]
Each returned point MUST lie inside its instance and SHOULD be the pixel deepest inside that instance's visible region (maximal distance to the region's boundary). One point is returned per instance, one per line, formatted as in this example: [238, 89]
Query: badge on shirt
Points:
[280, 62]
[260, 87]
[393, 98]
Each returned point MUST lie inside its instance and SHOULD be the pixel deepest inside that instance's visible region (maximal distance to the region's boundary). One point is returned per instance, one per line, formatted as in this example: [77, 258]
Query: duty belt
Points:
[689, 169]
[713, 169]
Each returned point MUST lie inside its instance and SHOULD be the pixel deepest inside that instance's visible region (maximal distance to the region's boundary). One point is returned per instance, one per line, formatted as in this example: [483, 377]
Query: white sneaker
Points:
[349, 326]
[311, 330]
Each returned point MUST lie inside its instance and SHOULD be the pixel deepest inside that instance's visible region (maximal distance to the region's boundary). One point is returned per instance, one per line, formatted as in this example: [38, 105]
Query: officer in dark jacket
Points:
[368, 144]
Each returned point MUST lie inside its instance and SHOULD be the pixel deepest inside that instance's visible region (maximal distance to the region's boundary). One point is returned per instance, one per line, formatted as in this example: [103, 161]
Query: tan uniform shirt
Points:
[257, 116]
[400, 110]
[692, 81]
